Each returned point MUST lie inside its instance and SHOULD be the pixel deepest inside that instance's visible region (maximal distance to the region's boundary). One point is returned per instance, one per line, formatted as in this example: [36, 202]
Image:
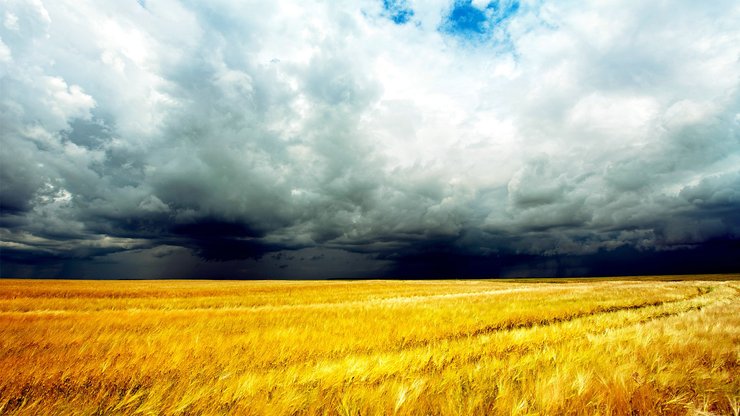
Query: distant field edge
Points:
[664, 277]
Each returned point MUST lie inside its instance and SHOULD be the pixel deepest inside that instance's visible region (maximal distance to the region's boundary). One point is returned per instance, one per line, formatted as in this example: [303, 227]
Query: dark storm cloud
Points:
[190, 140]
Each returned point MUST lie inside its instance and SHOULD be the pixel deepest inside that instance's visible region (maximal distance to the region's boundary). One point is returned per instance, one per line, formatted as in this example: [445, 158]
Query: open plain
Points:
[667, 345]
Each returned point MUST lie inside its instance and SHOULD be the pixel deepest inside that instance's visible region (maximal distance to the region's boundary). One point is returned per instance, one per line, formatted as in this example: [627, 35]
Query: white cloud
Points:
[616, 116]
[11, 21]
[5, 54]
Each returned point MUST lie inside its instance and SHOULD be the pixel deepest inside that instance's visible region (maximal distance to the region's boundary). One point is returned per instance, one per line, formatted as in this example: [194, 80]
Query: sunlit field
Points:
[623, 346]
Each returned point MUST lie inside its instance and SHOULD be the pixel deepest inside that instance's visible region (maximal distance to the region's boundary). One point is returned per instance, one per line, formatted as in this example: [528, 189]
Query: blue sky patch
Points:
[398, 11]
[464, 18]
[473, 21]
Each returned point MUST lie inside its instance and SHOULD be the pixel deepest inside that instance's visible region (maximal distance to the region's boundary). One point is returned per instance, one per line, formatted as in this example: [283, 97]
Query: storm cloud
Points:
[368, 139]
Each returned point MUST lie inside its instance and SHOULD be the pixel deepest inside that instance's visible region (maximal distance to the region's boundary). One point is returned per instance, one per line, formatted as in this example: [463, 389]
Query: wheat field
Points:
[551, 347]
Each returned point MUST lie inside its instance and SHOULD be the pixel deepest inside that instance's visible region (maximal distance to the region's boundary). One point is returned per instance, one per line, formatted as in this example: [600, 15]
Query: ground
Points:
[668, 345]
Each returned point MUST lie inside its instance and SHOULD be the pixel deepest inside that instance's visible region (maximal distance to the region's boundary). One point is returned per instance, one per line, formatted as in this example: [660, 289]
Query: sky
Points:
[368, 138]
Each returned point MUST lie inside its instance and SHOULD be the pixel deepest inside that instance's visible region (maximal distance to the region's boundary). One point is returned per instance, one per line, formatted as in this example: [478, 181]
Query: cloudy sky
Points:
[368, 138]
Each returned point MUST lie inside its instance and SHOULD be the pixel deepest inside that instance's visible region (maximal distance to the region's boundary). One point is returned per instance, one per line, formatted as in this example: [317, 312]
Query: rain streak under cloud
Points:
[372, 138]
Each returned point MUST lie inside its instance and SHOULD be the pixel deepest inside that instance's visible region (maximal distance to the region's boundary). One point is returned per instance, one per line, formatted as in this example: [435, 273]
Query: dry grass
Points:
[376, 347]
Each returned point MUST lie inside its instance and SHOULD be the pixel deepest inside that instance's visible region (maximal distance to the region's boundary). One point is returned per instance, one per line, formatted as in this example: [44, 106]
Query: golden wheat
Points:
[620, 346]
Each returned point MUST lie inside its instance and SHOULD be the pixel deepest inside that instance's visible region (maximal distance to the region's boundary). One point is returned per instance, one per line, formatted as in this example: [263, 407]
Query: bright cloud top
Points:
[370, 135]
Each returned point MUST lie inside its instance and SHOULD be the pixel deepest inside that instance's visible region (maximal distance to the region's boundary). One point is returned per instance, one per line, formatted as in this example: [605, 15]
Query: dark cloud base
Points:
[720, 256]
[717, 256]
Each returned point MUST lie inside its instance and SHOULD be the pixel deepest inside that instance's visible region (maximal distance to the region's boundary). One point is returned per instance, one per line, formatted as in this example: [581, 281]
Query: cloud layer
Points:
[373, 138]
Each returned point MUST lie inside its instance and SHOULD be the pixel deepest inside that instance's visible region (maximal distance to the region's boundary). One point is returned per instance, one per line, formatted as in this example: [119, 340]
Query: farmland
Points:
[602, 346]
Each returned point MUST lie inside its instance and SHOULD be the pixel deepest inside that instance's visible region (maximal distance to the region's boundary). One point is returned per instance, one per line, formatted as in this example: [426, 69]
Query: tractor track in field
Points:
[502, 327]
[510, 326]
[503, 353]
[523, 349]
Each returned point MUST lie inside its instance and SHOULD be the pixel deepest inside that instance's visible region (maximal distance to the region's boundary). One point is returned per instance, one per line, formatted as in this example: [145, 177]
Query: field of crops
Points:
[371, 347]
